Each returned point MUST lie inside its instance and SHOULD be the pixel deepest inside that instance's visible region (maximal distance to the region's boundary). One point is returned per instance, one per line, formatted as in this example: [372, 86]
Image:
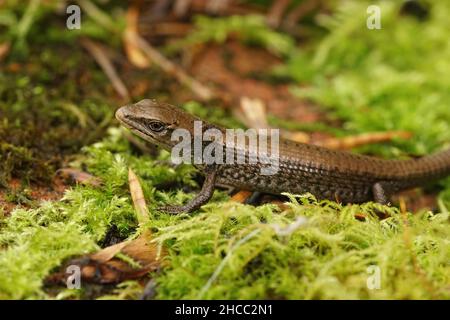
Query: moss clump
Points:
[38, 240]
[327, 259]
[39, 127]
[53, 99]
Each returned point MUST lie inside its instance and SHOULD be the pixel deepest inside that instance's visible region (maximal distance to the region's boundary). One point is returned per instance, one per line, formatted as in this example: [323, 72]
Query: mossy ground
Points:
[229, 250]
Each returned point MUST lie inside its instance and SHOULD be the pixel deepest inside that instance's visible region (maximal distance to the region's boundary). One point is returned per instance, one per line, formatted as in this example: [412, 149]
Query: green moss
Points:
[53, 99]
[385, 79]
[328, 259]
[250, 29]
[229, 250]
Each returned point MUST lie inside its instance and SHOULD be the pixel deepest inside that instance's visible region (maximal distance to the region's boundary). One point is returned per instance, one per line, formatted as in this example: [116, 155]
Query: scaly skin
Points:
[327, 174]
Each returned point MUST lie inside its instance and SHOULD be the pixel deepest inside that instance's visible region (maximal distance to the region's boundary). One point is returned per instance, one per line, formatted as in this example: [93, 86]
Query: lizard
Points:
[327, 174]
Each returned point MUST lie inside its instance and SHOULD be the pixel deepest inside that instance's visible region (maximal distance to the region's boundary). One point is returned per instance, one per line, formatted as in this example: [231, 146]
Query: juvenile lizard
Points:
[327, 174]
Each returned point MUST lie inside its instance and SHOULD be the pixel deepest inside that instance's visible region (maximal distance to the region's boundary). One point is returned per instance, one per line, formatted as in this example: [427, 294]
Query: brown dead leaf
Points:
[282, 205]
[233, 76]
[78, 176]
[4, 50]
[138, 198]
[109, 252]
[241, 196]
[253, 113]
[107, 265]
[360, 216]
[134, 54]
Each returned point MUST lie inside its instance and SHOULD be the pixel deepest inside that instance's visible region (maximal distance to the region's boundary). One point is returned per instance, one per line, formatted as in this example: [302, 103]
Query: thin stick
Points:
[362, 139]
[216, 6]
[181, 7]
[102, 59]
[203, 92]
[98, 15]
[276, 12]
[302, 10]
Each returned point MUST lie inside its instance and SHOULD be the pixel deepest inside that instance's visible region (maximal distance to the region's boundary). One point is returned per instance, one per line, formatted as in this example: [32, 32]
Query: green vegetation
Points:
[250, 29]
[389, 79]
[372, 80]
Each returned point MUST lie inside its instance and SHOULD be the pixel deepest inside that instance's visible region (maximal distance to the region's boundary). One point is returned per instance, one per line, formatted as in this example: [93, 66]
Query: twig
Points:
[98, 15]
[276, 12]
[102, 59]
[215, 6]
[203, 92]
[181, 7]
[177, 29]
[362, 139]
[302, 10]
[297, 136]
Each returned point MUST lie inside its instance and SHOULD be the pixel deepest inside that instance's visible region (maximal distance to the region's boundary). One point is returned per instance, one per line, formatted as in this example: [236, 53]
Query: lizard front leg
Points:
[201, 198]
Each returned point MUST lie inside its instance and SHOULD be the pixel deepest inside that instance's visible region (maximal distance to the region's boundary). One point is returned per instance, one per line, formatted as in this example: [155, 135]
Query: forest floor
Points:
[70, 176]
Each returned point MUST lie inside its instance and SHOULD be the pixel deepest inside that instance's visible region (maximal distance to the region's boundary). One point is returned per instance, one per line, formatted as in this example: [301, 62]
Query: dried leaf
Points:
[297, 136]
[130, 259]
[254, 113]
[138, 198]
[109, 252]
[134, 54]
[106, 266]
[78, 176]
[241, 196]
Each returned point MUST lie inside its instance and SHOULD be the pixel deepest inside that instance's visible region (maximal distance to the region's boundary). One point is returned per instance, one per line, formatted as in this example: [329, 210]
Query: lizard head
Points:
[155, 122]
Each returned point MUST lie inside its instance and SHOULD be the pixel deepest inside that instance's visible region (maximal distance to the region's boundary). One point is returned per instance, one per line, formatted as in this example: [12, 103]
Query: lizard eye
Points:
[156, 126]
